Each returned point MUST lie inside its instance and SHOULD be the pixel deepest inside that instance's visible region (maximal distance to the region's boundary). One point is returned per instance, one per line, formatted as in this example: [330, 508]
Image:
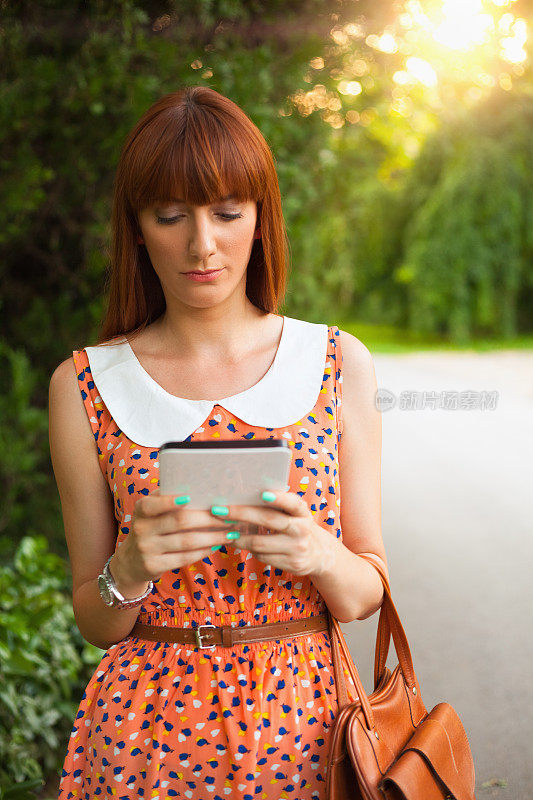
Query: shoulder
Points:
[66, 406]
[64, 392]
[357, 359]
[64, 376]
[359, 387]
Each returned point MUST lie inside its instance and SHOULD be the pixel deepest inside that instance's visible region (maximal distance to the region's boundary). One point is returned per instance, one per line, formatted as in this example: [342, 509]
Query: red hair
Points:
[200, 146]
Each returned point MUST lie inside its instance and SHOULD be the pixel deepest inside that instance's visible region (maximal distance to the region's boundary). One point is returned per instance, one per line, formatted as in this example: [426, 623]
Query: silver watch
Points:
[110, 593]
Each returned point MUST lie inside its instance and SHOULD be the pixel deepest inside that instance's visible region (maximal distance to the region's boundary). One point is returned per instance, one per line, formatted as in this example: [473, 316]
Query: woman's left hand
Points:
[300, 546]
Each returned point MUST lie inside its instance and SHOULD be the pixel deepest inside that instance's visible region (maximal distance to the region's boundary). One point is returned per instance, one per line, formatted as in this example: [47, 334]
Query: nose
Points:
[202, 239]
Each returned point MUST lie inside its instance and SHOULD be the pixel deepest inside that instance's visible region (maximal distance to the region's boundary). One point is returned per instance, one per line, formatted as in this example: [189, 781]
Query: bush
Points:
[29, 498]
[45, 665]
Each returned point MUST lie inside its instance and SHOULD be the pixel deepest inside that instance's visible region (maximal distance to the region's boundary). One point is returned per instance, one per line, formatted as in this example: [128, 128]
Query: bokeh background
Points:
[402, 133]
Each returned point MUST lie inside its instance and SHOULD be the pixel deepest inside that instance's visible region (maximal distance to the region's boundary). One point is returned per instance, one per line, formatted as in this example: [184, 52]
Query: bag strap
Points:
[383, 631]
[389, 623]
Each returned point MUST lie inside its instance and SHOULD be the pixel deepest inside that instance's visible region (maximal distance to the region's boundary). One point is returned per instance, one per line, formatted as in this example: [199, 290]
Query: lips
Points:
[202, 272]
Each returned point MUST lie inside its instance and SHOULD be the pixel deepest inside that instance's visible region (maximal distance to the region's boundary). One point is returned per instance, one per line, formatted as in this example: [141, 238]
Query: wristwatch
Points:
[110, 593]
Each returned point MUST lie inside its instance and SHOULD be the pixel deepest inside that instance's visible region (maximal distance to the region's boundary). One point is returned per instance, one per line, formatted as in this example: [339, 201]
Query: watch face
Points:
[104, 590]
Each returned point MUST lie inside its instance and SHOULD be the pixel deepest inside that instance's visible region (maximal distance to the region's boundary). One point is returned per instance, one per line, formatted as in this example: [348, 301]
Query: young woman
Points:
[240, 708]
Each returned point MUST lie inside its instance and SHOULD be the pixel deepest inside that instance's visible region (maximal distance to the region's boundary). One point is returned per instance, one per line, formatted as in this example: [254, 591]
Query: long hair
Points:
[198, 145]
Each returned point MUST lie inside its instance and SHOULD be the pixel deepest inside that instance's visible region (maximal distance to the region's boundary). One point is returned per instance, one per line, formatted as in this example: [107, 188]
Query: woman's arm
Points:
[88, 513]
[350, 585]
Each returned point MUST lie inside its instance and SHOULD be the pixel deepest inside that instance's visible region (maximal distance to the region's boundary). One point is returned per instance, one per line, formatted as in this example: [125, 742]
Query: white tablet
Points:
[225, 472]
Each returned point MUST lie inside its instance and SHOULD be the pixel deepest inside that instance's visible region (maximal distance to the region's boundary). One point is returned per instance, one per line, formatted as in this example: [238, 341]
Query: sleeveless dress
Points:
[248, 722]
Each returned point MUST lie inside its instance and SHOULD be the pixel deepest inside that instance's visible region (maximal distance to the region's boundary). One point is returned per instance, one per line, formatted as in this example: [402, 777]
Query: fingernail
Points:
[216, 547]
[179, 501]
[233, 535]
[220, 510]
[268, 497]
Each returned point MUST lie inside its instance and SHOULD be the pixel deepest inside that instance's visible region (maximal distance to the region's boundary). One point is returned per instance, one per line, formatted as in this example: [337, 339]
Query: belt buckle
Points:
[199, 635]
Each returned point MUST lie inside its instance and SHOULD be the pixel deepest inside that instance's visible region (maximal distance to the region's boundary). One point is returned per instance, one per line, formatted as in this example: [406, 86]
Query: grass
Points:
[388, 339]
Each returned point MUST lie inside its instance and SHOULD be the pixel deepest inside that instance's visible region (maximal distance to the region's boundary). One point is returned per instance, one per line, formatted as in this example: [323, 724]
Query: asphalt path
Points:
[457, 516]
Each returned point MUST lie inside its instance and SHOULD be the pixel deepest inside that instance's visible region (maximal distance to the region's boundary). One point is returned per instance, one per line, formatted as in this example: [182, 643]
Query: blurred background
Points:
[402, 138]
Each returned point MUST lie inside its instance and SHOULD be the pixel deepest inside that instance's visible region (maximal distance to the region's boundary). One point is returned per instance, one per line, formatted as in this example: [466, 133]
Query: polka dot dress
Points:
[252, 721]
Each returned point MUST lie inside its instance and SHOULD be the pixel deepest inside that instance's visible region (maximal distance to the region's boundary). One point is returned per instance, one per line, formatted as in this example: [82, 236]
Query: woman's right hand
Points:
[164, 536]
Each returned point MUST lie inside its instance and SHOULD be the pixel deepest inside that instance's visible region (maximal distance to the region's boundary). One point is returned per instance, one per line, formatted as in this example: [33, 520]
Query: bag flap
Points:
[441, 741]
[412, 778]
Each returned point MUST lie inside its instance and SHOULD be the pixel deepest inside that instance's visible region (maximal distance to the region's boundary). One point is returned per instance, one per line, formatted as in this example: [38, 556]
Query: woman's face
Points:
[181, 238]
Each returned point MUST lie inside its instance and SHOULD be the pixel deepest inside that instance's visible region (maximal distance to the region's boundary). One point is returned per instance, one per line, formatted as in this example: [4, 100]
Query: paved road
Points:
[457, 525]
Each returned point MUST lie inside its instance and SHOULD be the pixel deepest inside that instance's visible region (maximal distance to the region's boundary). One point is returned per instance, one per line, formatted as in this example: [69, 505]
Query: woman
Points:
[169, 713]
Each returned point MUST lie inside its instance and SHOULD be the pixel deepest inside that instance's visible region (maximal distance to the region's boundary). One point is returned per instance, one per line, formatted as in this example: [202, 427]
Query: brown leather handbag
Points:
[386, 745]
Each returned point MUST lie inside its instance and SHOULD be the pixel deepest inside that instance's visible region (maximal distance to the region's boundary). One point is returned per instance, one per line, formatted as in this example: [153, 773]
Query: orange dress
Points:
[248, 722]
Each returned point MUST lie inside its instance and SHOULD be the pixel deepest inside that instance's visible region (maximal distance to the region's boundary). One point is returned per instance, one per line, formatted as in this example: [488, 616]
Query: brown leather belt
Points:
[209, 636]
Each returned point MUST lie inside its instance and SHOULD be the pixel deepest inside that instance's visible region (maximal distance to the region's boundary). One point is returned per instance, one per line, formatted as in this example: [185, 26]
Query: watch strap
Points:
[119, 601]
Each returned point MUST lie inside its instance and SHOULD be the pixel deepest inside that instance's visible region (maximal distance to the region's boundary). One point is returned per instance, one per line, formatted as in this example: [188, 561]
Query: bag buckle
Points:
[199, 636]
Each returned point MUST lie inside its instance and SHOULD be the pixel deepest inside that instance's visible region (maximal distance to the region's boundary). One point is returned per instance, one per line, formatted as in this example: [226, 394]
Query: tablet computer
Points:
[224, 472]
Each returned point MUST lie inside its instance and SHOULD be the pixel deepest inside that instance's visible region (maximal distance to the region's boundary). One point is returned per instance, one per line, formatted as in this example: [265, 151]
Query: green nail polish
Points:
[179, 501]
[269, 497]
[216, 547]
[233, 535]
[220, 510]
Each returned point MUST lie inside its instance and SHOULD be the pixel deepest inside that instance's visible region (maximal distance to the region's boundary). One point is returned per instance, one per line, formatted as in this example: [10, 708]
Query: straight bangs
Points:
[195, 159]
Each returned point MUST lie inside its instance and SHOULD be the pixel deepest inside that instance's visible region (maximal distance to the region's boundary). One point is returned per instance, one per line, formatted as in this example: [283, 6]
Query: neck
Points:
[210, 333]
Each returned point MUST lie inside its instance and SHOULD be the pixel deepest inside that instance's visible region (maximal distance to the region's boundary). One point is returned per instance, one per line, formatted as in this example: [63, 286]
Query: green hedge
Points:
[45, 665]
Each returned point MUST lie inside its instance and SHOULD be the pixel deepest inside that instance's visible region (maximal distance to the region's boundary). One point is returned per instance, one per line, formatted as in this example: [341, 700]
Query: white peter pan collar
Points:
[149, 415]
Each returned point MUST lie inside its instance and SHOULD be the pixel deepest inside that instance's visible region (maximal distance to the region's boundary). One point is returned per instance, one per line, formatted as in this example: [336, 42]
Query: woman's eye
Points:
[168, 220]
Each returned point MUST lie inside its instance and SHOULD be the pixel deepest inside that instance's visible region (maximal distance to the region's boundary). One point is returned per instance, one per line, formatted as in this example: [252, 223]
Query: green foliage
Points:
[29, 502]
[465, 243]
[45, 665]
